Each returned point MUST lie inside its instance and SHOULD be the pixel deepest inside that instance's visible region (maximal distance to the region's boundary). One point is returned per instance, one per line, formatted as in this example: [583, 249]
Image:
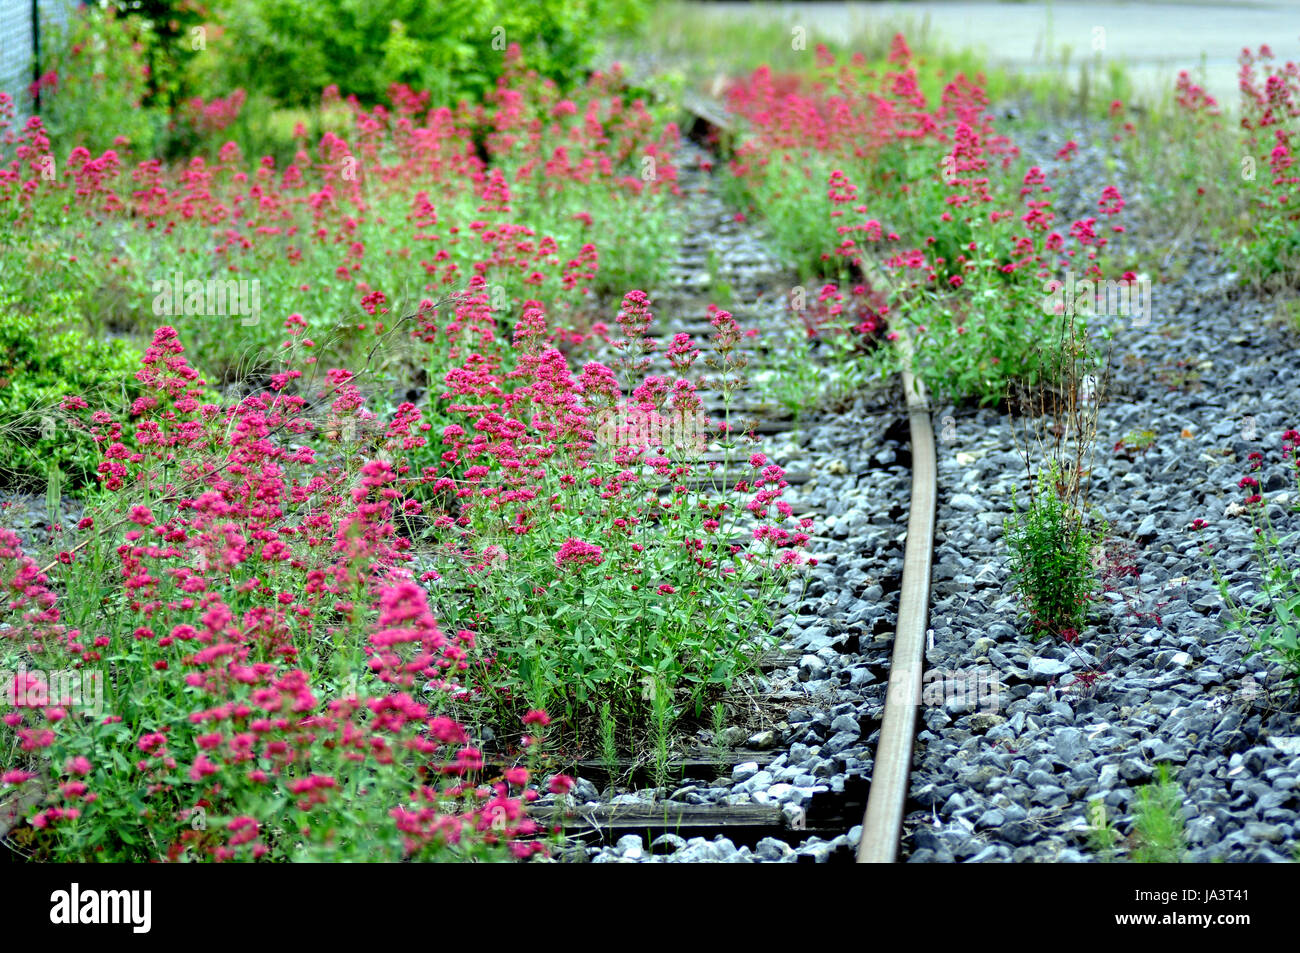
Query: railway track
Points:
[883, 822]
[720, 252]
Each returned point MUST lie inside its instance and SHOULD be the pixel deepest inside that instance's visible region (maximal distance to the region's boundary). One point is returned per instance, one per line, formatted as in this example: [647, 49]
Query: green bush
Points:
[42, 362]
[292, 49]
[95, 83]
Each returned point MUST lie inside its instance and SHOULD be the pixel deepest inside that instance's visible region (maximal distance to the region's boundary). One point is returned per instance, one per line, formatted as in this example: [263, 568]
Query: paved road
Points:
[1154, 39]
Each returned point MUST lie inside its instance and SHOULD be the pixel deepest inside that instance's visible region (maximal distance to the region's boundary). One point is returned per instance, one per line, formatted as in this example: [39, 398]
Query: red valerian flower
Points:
[1111, 202]
[575, 552]
[537, 717]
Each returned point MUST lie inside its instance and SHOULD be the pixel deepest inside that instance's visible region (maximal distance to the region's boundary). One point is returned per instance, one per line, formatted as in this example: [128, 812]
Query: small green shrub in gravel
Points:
[1271, 615]
[1158, 835]
[1158, 822]
[1051, 549]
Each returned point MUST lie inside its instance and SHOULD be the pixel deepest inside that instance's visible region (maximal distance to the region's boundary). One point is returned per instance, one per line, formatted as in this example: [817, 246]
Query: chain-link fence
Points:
[24, 26]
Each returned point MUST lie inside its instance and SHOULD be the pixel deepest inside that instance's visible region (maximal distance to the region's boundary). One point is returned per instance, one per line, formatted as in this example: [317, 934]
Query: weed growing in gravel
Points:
[1101, 832]
[1270, 108]
[719, 715]
[1272, 615]
[1117, 564]
[824, 355]
[1050, 539]
[609, 739]
[1158, 834]
[1186, 156]
[661, 715]
[1051, 558]
[1134, 443]
[1236, 181]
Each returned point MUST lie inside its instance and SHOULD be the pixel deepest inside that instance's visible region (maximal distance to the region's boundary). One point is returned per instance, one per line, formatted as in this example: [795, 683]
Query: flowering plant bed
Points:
[296, 604]
[855, 167]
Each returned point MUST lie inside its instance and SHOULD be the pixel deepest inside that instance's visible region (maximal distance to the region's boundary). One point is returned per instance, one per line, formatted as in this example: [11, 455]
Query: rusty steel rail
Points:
[883, 823]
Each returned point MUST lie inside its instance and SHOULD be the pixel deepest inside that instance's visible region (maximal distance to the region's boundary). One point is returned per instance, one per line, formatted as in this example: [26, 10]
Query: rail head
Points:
[882, 824]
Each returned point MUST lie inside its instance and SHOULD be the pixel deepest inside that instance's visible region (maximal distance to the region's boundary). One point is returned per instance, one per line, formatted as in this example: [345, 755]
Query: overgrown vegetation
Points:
[1158, 833]
[856, 168]
[1051, 557]
[626, 589]
[368, 226]
[428, 496]
[1271, 613]
[405, 412]
[285, 49]
[44, 358]
[172, 76]
[229, 659]
[1051, 539]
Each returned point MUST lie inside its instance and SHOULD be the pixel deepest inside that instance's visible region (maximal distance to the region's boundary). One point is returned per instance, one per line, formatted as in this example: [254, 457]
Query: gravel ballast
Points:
[1212, 379]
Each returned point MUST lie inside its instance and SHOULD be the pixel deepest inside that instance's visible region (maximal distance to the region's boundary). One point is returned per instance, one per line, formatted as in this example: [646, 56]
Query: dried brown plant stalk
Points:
[1054, 422]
